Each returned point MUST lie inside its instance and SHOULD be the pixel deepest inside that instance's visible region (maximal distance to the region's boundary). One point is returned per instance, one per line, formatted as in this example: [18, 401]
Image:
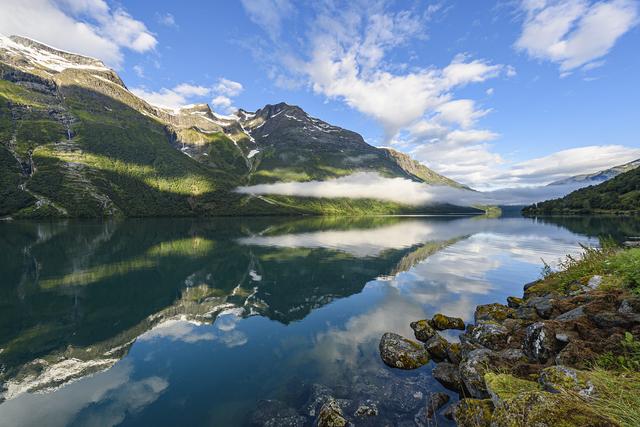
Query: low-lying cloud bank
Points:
[370, 185]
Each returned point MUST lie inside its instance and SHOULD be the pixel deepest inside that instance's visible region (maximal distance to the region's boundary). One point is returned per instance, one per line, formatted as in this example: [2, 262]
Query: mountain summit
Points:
[76, 142]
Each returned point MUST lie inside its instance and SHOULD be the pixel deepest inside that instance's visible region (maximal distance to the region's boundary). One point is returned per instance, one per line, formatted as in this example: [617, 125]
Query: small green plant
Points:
[628, 359]
[626, 265]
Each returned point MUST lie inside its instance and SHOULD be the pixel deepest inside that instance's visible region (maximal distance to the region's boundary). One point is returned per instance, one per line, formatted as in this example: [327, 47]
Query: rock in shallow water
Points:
[399, 352]
[272, 413]
[441, 322]
[437, 347]
[492, 312]
[331, 415]
[436, 401]
[423, 330]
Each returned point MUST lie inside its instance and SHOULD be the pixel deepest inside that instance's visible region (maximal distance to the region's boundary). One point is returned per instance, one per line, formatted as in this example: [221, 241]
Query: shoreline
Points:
[567, 351]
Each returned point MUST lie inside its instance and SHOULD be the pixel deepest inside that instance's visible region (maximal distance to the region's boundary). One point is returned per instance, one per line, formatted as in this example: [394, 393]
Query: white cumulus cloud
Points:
[574, 33]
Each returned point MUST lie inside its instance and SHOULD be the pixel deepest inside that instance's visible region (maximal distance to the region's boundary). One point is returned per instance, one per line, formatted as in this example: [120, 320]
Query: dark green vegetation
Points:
[620, 195]
[77, 143]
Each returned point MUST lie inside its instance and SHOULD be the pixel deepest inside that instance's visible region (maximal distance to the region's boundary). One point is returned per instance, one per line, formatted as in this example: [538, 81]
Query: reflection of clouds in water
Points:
[452, 281]
[359, 243]
[107, 398]
[346, 343]
[410, 232]
[191, 332]
[177, 330]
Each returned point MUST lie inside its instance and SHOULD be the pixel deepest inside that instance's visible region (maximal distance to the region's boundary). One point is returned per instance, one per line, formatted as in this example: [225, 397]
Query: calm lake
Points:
[170, 322]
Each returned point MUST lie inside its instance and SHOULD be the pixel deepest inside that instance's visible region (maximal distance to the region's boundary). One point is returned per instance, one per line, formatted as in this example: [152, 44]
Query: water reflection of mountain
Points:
[74, 296]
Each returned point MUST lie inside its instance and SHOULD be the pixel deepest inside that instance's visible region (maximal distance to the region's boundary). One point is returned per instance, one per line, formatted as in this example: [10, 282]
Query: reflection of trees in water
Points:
[83, 291]
[618, 227]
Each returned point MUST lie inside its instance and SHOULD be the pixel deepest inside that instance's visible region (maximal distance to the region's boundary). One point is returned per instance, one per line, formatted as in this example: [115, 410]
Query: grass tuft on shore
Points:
[619, 268]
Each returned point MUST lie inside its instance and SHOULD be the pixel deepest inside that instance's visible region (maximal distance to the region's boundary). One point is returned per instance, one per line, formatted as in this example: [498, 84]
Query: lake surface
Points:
[170, 322]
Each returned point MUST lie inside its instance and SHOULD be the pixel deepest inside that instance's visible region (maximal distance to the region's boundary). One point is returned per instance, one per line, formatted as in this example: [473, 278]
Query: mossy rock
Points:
[493, 312]
[473, 413]
[454, 353]
[503, 387]
[544, 409]
[423, 330]
[441, 322]
[514, 302]
[399, 352]
[556, 379]
[331, 415]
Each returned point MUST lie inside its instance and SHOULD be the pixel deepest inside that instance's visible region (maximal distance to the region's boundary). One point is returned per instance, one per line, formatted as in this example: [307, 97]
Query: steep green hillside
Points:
[620, 195]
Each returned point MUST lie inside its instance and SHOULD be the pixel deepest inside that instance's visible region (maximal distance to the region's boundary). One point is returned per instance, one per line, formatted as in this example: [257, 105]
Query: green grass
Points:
[628, 359]
[619, 267]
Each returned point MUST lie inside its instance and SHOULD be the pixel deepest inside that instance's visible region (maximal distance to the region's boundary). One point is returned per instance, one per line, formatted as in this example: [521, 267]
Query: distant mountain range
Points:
[618, 195]
[75, 142]
[598, 177]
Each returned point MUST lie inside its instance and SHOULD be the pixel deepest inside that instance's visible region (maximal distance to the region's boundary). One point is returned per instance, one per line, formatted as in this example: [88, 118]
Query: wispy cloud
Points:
[574, 33]
[369, 185]
[87, 27]
[186, 93]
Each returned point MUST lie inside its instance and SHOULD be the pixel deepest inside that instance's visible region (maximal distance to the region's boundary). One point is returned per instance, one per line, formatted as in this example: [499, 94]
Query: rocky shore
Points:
[535, 361]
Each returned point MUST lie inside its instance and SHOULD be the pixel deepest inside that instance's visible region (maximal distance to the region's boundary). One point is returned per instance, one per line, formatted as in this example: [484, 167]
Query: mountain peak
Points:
[22, 51]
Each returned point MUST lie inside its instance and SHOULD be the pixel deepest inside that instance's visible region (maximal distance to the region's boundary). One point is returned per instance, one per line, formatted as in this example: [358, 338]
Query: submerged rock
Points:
[331, 415]
[441, 322]
[447, 374]
[367, 408]
[423, 330]
[399, 352]
[435, 401]
[272, 413]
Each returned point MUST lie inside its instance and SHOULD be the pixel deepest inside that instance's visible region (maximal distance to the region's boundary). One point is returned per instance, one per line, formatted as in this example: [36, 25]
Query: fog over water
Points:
[371, 185]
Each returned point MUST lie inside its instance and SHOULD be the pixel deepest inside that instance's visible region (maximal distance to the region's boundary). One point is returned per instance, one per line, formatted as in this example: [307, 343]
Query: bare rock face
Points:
[399, 352]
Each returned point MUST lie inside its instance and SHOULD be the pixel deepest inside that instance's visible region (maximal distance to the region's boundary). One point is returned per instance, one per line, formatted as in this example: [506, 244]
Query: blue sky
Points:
[493, 94]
